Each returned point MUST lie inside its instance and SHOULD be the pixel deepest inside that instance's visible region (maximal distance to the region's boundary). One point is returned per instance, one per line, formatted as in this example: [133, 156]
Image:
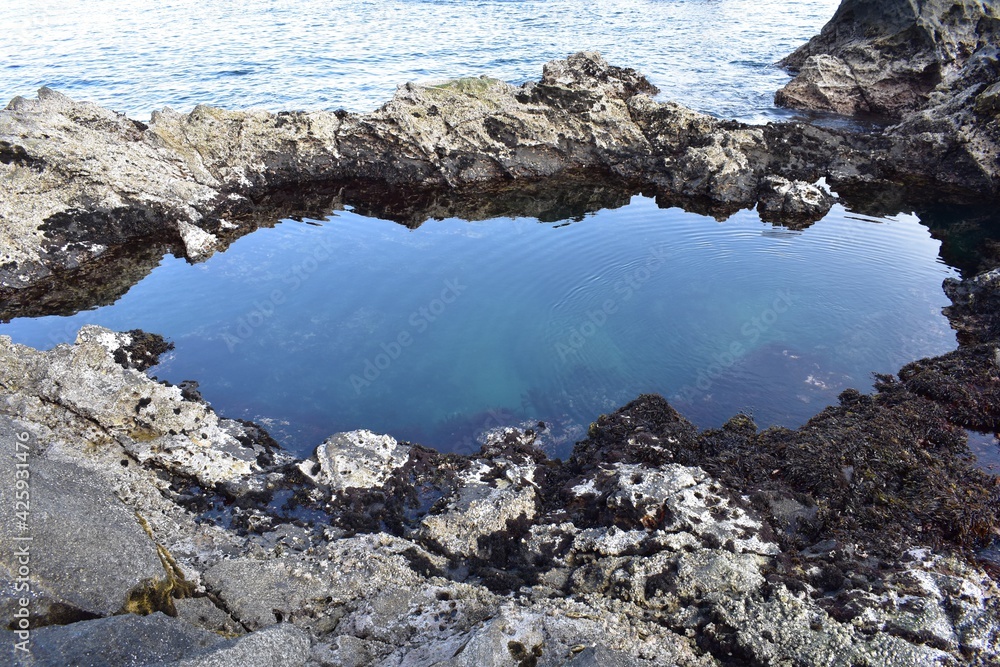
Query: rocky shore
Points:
[162, 533]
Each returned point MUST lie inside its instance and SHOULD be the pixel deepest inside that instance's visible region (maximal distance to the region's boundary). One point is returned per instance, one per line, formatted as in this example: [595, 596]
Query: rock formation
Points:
[933, 65]
[847, 541]
[84, 181]
[163, 533]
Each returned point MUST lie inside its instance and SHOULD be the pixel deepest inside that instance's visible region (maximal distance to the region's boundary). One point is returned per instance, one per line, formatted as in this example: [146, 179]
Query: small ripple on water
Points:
[714, 56]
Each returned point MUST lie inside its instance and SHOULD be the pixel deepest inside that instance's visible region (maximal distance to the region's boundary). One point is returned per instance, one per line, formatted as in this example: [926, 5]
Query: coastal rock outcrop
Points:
[885, 57]
[655, 543]
[932, 66]
[84, 181]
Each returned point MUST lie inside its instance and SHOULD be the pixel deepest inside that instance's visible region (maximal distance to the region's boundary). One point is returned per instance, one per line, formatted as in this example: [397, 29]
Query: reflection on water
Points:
[986, 448]
[436, 333]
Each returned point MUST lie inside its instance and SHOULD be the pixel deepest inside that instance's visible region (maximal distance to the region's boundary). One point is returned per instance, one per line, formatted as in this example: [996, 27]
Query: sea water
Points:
[438, 333]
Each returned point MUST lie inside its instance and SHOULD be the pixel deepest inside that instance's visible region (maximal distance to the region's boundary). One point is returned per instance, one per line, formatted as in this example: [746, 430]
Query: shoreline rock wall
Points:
[83, 181]
[930, 66]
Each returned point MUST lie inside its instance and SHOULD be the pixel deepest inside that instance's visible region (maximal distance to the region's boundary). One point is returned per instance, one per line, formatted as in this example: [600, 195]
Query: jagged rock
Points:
[86, 180]
[355, 460]
[955, 131]
[975, 307]
[886, 56]
[77, 551]
[787, 629]
[157, 423]
[931, 65]
[198, 244]
[792, 202]
[490, 498]
[625, 552]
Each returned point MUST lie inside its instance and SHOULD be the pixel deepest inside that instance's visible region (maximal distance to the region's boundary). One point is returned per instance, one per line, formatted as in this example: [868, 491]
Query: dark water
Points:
[713, 55]
[986, 448]
[437, 333]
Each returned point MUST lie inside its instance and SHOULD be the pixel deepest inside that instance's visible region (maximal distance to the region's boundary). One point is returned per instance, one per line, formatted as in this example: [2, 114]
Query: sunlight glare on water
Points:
[715, 56]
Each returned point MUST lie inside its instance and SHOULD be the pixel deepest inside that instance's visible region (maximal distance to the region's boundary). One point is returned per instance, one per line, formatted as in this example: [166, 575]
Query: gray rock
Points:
[491, 496]
[86, 555]
[282, 645]
[155, 423]
[202, 613]
[599, 656]
[358, 459]
[262, 593]
[793, 203]
[886, 56]
[86, 180]
[117, 641]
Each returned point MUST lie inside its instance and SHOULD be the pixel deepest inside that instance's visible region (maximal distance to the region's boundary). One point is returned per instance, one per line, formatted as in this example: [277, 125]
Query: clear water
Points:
[713, 55]
[438, 333]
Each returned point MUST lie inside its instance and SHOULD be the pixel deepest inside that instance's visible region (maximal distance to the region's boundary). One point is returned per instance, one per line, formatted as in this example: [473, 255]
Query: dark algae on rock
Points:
[167, 534]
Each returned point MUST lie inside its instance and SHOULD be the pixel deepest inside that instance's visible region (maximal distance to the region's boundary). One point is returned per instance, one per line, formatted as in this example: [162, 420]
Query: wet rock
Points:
[76, 551]
[356, 460]
[117, 641]
[975, 309]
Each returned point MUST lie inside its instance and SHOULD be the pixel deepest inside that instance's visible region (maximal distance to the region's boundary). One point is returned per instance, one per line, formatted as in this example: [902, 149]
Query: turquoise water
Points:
[713, 55]
[437, 333]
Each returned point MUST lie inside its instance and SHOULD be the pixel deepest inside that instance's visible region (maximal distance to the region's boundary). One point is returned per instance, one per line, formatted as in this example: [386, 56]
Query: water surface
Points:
[713, 55]
[437, 333]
